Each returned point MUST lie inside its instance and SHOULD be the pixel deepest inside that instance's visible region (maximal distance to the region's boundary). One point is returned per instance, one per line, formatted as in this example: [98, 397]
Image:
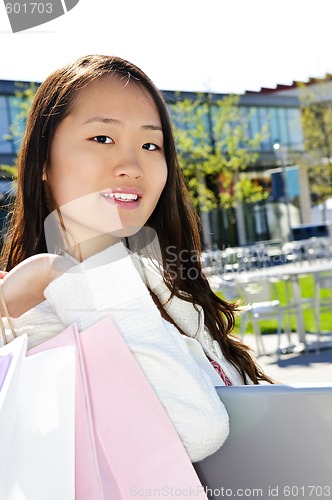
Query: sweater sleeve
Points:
[111, 285]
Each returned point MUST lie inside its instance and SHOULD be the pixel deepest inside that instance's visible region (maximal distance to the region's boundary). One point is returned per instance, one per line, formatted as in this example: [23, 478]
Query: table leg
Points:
[300, 325]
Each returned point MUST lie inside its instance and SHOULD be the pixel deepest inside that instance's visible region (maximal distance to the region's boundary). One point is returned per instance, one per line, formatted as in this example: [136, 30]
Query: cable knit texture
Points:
[113, 283]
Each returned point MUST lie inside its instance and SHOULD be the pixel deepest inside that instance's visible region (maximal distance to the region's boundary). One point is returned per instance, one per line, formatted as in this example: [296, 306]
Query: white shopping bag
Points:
[37, 424]
[9, 396]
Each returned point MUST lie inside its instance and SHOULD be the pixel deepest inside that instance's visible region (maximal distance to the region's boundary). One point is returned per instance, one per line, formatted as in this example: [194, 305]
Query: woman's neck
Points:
[85, 249]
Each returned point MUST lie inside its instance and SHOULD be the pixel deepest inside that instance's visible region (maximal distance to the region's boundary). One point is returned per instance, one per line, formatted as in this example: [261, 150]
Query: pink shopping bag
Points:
[126, 446]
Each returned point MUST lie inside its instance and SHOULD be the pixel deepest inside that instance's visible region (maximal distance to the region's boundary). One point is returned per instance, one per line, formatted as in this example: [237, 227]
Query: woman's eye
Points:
[102, 139]
[150, 146]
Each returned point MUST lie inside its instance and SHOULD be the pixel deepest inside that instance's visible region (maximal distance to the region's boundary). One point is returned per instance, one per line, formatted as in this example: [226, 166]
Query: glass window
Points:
[244, 122]
[295, 129]
[264, 121]
[15, 111]
[274, 128]
[253, 122]
[283, 127]
[5, 144]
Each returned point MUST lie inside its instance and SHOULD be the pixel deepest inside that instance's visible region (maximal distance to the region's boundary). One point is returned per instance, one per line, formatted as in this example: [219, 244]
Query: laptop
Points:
[279, 446]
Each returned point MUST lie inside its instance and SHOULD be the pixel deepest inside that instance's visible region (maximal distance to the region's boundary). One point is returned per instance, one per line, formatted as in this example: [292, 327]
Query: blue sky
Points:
[217, 45]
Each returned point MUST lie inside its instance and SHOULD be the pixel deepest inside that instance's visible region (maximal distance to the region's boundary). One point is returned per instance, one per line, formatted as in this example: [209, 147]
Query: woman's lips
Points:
[124, 200]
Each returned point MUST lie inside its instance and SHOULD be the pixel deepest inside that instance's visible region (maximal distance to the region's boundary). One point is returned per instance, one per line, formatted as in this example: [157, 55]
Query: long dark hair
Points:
[174, 219]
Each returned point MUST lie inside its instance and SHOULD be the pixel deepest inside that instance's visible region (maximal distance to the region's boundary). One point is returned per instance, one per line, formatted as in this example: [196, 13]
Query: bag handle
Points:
[5, 309]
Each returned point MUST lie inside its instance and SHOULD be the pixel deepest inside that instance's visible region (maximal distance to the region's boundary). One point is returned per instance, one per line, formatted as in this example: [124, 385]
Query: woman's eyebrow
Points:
[114, 121]
[152, 127]
[100, 119]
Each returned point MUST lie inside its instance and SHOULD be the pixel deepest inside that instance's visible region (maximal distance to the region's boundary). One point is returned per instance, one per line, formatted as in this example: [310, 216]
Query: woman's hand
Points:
[23, 286]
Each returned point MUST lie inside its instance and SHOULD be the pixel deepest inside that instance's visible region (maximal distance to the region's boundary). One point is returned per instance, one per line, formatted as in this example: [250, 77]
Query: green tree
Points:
[215, 149]
[8, 171]
[316, 109]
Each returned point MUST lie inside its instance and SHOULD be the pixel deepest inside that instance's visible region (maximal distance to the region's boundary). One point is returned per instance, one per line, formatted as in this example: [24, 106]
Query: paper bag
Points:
[37, 417]
[126, 445]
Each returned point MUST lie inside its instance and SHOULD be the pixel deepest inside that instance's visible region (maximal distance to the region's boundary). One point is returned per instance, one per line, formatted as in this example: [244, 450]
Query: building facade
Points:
[269, 219]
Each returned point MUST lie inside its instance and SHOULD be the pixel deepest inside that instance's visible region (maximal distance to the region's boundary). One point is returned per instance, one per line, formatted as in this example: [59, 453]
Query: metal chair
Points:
[292, 252]
[230, 291]
[291, 306]
[322, 299]
[258, 295]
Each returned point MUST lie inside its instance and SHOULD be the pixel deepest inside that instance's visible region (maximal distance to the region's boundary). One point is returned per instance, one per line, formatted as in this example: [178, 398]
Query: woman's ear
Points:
[44, 176]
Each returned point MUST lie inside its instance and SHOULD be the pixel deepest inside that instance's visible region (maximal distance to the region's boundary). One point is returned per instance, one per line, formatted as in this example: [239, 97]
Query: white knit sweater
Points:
[114, 283]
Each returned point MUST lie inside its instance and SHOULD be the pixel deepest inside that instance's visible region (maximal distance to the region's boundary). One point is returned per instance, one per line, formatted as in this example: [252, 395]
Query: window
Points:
[5, 144]
[295, 129]
[254, 125]
[17, 121]
[283, 127]
[274, 127]
[264, 119]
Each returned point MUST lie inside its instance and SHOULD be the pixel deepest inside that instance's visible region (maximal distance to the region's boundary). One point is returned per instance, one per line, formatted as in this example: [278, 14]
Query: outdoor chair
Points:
[230, 292]
[262, 306]
[292, 252]
[322, 299]
[291, 306]
[313, 249]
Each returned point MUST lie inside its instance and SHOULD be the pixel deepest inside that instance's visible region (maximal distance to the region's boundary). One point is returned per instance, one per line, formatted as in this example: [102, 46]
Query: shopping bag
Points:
[88, 483]
[5, 361]
[37, 417]
[126, 445]
[9, 396]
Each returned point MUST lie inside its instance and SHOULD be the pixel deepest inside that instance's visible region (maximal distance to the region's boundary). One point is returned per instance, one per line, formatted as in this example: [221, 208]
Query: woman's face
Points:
[107, 166]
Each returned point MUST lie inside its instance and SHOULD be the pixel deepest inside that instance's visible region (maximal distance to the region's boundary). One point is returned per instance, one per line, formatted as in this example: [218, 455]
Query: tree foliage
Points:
[317, 129]
[215, 149]
[8, 170]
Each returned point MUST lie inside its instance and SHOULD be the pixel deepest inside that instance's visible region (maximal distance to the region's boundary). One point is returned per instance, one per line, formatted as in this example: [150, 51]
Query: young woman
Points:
[99, 183]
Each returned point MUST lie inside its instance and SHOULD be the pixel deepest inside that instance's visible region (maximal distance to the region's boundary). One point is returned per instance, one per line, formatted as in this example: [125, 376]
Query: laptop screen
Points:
[280, 444]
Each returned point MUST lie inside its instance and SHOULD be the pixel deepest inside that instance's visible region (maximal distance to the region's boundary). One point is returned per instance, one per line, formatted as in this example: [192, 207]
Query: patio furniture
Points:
[262, 306]
[322, 299]
[291, 272]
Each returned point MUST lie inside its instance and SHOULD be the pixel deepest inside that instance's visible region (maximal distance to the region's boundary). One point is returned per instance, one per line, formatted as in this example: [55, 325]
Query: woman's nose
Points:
[128, 165]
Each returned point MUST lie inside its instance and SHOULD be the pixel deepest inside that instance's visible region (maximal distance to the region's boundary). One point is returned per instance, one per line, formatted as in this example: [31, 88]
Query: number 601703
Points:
[29, 8]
